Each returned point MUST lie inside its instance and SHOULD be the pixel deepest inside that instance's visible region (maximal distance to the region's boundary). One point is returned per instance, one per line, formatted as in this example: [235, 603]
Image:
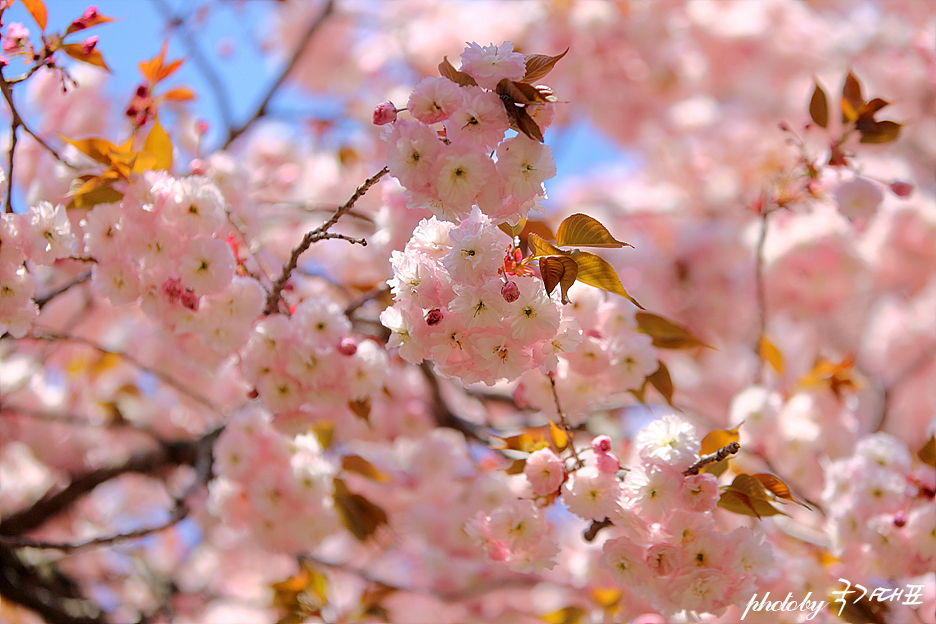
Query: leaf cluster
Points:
[855, 111]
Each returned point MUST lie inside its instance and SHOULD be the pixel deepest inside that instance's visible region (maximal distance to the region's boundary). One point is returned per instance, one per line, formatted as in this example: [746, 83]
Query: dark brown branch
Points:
[294, 59]
[592, 531]
[42, 301]
[319, 233]
[445, 417]
[712, 458]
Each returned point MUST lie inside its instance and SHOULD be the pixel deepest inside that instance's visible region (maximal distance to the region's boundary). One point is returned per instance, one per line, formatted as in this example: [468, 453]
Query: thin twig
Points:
[444, 416]
[563, 422]
[261, 110]
[202, 452]
[711, 458]
[16, 123]
[42, 301]
[194, 51]
[48, 335]
[319, 233]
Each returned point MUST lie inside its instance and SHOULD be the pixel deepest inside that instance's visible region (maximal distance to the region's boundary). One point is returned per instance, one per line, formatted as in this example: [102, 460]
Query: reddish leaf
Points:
[37, 9]
[667, 334]
[558, 270]
[88, 23]
[819, 107]
[357, 514]
[446, 70]
[661, 380]
[539, 65]
[851, 98]
[77, 52]
[878, 131]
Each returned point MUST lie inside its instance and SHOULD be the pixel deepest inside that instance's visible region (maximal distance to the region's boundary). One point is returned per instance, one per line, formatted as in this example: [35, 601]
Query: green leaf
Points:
[539, 65]
[558, 270]
[665, 333]
[819, 107]
[581, 230]
[595, 271]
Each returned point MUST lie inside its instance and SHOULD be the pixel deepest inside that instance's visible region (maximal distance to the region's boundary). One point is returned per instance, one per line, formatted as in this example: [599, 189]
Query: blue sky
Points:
[229, 40]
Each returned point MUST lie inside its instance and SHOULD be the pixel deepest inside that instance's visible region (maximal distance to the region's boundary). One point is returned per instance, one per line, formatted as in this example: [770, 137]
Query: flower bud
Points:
[901, 189]
[510, 292]
[900, 519]
[434, 317]
[385, 113]
[347, 346]
[601, 444]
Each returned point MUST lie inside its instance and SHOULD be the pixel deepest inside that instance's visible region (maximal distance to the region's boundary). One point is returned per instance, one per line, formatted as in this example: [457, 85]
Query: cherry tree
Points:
[360, 368]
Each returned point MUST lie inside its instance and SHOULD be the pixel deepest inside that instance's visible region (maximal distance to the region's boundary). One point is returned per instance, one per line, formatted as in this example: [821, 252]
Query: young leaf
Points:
[87, 23]
[361, 408]
[878, 131]
[581, 230]
[595, 271]
[356, 463]
[98, 150]
[661, 380]
[446, 70]
[746, 496]
[712, 442]
[819, 107]
[539, 65]
[76, 51]
[541, 247]
[779, 489]
[927, 452]
[159, 146]
[150, 69]
[769, 353]
[566, 615]
[179, 94]
[666, 334]
[512, 230]
[521, 121]
[561, 270]
[37, 9]
[851, 98]
[357, 514]
[558, 436]
[302, 595]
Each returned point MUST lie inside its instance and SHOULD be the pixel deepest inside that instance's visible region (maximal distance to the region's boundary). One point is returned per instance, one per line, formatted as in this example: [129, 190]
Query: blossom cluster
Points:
[664, 543]
[452, 169]
[41, 235]
[881, 516]
[612, 358]
[288, 504]
[310, 359]
[167, 245]
[451, 307]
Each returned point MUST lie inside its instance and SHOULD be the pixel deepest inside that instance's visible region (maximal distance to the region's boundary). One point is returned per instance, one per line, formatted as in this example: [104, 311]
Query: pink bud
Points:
[198, 167]
[189, 300]
[510, 292]
[900, 519]
[434, 317]
[601, 444]
[347, 346]
[87, 46]
[90, 12]
[385, 113]
[901, 189]
[201, 126]
[608, 463]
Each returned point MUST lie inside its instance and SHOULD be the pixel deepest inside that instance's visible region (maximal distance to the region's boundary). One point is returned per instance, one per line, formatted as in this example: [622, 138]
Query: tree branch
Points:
[563, 422]
[294, 59]
[711, 458]
[319, 233]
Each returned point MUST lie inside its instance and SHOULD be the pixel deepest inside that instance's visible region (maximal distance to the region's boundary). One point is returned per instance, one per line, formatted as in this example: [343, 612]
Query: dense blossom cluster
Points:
[177, 351]
[450, 305]
[455, 171]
